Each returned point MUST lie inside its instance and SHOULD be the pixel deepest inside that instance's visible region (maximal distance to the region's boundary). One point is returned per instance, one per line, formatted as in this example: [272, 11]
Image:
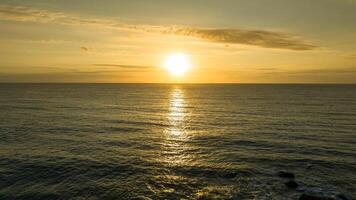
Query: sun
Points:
[177, 64]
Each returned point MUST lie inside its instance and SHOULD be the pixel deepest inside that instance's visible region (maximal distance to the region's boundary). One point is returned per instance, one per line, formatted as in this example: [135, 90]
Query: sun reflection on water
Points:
[176, 136]
[176, 116]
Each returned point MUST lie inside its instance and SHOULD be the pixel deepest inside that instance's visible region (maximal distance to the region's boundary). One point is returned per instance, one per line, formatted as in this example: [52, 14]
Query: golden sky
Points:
[227, 41]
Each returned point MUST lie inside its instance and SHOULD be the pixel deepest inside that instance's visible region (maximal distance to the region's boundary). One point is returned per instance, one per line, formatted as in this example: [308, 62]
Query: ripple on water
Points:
[175, 142]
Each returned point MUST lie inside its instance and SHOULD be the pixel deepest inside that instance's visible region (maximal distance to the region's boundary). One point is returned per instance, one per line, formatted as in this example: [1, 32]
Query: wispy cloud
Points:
[332, 71]
[83, 48]
[352, 56]
[42, 41]
[20, 13]
[267, 69]
[261, 38]
[83, 77]
[29, 14]
[126, 66]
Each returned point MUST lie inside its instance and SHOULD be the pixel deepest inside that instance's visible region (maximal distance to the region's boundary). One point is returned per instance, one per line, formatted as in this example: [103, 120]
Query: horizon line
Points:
[202, 83]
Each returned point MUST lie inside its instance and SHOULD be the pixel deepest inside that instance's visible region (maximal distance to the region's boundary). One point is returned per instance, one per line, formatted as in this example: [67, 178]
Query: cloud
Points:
[342, 75]
[352, 56]
[20, 13]
[332, 71]
[70, 77]
[110, 73]
[267, 69]
[28, 14]
[327, 71]
[42, 41]
[260, 38]
[84, 48]
[125, 66]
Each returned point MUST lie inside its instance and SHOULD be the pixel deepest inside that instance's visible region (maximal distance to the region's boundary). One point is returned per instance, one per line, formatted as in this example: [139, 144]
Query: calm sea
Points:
[142, 141]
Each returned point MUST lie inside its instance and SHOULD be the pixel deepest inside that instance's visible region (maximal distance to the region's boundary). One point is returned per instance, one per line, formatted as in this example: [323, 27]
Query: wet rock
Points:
[342, 197]
[228, 174]
[314, 197]
[292, 184]
[285, 174]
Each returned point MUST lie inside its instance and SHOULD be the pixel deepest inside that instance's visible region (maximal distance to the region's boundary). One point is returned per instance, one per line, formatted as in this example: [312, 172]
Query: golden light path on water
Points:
[176, 113]
[176, 133]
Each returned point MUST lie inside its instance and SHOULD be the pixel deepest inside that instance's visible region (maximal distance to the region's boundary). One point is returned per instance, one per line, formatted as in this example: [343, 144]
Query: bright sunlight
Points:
[177, 64]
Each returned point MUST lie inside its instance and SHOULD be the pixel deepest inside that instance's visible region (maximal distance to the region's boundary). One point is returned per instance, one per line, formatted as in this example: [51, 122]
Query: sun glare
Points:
[177, 64]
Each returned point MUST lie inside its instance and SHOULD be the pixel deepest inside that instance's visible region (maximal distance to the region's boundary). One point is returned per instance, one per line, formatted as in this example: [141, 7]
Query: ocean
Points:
[184, 141]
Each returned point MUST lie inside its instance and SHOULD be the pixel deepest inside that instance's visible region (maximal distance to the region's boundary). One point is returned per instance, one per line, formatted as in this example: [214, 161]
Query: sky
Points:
[226, 41]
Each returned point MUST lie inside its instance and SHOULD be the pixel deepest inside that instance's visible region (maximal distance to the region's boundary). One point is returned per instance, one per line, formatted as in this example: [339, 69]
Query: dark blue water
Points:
[132, 141]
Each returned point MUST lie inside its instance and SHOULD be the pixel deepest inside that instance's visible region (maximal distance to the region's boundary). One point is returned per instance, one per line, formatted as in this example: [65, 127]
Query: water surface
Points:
[137, 141]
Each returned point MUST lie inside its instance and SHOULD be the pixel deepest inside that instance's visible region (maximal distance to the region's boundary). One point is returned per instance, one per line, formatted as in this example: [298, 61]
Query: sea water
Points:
[157, 141]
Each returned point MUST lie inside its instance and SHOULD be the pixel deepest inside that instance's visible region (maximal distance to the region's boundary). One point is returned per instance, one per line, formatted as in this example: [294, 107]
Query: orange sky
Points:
[227, 41]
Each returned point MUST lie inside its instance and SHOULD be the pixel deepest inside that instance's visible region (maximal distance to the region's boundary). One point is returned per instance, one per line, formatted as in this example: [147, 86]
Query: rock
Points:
[292, 184]
[314, 197]
[228, 174]
[285, 174]
[342, 197]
